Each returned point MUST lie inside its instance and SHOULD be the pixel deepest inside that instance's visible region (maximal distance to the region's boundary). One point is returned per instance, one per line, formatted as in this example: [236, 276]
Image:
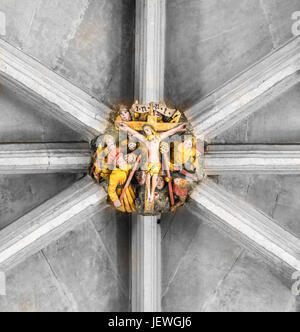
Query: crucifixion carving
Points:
[146, 154]
[210, 117]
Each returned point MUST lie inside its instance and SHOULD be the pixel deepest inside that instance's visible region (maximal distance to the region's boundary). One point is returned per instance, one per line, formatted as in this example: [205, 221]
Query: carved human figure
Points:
[162, 198]
[117, 181]
[131, 143]
[140, 177]
[104, 157]
[152, 142]
[130, 158]
[180, 189]
[159, 117]
[124, 115]
[187, 156]
[160, 183]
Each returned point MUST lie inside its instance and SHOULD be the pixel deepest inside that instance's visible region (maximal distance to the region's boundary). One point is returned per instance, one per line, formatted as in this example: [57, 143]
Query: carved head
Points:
[148, 130]
[130, 158]
[181, 183]
[160, 183]
[140, 177]
[132, 146]
[125, 114]
[110, 142]
[121, 162]
[158, 115]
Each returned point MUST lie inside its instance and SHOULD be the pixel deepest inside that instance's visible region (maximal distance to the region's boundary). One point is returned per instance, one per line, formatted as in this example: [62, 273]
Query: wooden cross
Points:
[148, 110]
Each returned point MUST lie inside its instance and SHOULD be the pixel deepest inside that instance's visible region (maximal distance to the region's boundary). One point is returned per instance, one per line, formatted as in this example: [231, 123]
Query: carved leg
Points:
[178, 205]
[154, 185]
[148, 186]
[149, 203]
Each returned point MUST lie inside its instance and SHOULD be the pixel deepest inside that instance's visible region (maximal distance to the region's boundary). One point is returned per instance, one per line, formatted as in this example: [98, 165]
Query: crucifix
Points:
[152, 144]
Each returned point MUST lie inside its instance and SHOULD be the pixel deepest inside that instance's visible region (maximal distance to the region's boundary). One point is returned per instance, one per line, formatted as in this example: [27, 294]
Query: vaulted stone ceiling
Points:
[64, 36]
[90, 43]
[210, 42]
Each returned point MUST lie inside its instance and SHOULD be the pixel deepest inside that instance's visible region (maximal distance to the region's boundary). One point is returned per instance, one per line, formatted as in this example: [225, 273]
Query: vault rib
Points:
[247, 93]
[252, 227]
[252, 159]
[50, 221]
[44, 158]
[53, 93]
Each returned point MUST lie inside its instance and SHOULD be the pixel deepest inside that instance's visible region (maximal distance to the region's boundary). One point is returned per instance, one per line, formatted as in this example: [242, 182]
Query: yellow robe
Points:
[117, 181]
[182, 156]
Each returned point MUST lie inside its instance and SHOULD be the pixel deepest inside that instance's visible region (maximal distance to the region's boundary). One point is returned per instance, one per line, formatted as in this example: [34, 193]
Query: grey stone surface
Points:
[24, 122]
[192, 273]
[277, 122]
[20, 194]
[250, 287]
[76, 273]
[260, 190]
[278, 15]
[287, 209]
[88, 42]
[32, 287]
[215, 274]
[277, 196]
[178, 231]
[114, 230]
[209, 42]
[82, 264]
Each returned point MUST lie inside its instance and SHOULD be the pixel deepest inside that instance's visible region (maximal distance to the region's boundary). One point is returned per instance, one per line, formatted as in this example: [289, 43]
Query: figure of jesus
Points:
[152, 142]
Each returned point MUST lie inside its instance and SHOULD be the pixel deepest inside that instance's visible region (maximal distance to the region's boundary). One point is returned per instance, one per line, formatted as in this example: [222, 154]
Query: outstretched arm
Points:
[132, 132]
[173, 132]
